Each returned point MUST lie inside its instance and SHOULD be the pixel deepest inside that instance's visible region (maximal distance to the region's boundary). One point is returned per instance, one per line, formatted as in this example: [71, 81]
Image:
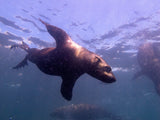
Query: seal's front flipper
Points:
[21, 64]
[137, 75]
[67, 85]
[57, 33]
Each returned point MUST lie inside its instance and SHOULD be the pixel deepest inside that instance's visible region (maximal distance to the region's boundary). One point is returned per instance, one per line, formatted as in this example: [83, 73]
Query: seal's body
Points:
[68, 60]
[149, 60]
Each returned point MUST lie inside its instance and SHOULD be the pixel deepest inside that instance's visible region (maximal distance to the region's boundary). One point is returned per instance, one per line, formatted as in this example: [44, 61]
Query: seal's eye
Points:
[98, 60]
[107, 69]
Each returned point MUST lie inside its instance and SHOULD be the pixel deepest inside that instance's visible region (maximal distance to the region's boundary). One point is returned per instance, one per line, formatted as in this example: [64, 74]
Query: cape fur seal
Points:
[148, 57]
[68, 60]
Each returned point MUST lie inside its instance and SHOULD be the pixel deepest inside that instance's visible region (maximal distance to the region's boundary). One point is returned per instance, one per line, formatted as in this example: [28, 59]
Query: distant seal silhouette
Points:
[68, 60]
[148, 57]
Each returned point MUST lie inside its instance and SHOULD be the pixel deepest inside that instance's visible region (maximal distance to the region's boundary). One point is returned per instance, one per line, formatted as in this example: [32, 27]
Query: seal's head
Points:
[101, 70]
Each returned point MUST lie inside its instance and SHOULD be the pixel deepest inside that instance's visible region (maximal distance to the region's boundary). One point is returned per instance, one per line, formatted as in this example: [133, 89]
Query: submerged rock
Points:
[82, 112]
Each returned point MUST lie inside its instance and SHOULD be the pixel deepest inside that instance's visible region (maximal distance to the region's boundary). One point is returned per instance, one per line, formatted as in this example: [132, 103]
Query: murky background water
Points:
[113, 29]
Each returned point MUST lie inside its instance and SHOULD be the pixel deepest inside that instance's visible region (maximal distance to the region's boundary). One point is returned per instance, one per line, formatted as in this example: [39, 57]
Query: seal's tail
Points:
[23, 46]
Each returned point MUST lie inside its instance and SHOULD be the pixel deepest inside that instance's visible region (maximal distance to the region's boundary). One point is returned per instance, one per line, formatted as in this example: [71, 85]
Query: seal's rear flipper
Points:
[21, 64]
[23, 46]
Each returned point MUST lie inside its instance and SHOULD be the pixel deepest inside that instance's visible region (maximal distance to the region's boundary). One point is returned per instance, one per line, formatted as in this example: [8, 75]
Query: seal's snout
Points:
[103, 75]
[110, 79]
[106, 77]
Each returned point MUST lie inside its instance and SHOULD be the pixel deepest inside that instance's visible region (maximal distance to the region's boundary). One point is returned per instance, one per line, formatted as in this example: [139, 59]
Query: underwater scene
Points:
[79, 60]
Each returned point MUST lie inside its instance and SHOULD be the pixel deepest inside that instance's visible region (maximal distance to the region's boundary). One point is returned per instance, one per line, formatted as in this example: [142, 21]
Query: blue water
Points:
[110, 28]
